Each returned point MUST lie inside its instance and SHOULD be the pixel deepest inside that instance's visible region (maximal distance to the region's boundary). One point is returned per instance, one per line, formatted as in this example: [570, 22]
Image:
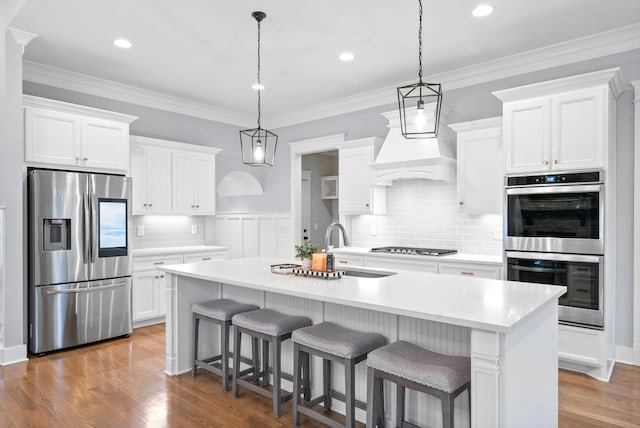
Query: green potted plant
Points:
[304, 252]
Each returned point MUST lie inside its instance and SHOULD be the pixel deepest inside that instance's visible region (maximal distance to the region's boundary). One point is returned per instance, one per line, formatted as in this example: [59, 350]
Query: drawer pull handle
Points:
[158, 263]
[343, 261]
[466, 273]
[206, 258]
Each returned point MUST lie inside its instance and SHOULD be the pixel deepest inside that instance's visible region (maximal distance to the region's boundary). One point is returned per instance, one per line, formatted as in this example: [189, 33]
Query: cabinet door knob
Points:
[144, 205]
[366, 205]
[555, 161]
[460, 203]
[545, 162]
[193, 206]
[77, 158]
[150, 205]
[85, 159]
[466, 273]
[197, 206]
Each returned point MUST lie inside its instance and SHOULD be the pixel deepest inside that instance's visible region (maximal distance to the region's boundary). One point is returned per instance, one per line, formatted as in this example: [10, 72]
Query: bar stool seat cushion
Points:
[270, 322]
[337, 340]
[221, 309]
[408, 361]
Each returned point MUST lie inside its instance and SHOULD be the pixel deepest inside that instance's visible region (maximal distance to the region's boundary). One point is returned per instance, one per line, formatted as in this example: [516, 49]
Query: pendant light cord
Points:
[420, 43]
[259, 85]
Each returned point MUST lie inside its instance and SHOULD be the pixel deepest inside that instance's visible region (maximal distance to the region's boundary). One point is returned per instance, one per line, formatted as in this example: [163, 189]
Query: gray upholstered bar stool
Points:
[219, 312]
[272, 328]
[333, 343]
[410, 366]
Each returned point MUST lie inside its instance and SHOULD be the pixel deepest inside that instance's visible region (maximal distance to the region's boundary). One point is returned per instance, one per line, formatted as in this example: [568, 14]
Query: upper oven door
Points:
[556, 219]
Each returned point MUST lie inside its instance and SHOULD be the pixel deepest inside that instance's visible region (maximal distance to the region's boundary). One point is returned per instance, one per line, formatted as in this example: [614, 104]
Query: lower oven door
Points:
[67, 315]
[582, 275]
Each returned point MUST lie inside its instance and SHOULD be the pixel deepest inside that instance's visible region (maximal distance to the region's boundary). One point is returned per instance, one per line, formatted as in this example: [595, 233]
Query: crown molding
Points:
[582, 49]
[585, 48]
[22, 37]
[65, 79]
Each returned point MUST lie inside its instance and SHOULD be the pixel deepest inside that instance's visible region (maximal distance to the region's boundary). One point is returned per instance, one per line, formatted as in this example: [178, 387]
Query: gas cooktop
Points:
[413, 251]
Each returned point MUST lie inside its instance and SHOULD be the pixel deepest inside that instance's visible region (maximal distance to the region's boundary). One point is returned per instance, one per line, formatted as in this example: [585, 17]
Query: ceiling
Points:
[204, 51]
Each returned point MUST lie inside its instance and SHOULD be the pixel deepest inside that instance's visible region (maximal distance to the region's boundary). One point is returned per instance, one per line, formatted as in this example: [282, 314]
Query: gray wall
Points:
[469, 103]
[322, 210]
[12, 319]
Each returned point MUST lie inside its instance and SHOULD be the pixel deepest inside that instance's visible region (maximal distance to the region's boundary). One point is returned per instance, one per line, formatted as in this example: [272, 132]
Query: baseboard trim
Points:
[13, 355]
[636, 354]
[624, 355]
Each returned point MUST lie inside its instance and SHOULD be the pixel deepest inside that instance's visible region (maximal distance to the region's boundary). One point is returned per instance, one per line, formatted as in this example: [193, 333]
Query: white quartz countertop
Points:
[175, 250]
[480, 303]
[453, 258]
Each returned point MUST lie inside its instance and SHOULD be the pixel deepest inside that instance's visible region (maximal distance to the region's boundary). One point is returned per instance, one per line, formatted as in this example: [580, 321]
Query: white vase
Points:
[306, 264]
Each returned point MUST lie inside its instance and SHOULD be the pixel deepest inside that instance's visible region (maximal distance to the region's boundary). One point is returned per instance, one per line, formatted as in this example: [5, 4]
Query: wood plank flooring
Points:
[121, 383]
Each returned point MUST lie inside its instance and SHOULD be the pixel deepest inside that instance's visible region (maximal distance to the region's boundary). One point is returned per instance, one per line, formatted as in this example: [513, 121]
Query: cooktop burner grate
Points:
[414, 251]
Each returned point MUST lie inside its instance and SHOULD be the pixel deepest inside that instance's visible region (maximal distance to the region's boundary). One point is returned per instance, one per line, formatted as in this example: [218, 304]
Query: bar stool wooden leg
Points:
[297, 374]
[371, 395]
[265, 359]
[277, 402]
[224, 332]
[446, 402]
[306, 377]
[236, 361]
[326, 383]
[350, 387]
[399, 405]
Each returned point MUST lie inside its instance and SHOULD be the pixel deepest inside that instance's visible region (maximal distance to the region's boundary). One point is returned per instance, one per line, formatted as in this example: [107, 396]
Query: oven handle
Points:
[539, 270]
[554, 257]
[554, 189]
[86, 289]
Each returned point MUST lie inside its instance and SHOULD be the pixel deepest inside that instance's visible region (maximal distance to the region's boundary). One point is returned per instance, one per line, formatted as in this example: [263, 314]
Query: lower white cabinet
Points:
[148, 296]
[346, 260]
[471, 269]
[390, 264]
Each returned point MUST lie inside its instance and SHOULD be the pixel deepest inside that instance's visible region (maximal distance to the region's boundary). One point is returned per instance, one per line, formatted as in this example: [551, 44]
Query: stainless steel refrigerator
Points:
[79, 258]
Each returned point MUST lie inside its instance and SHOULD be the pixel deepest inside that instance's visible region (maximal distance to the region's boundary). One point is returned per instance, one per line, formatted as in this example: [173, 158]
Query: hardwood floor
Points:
[121, 383]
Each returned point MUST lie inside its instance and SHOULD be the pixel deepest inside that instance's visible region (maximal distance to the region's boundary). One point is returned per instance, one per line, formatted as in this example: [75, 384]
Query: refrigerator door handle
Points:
[87, 229]
[86, 289]
[94, 227]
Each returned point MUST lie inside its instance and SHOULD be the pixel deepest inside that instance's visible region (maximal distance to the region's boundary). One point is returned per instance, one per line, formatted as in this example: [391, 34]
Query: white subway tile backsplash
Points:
[423, 213]
[168, 231]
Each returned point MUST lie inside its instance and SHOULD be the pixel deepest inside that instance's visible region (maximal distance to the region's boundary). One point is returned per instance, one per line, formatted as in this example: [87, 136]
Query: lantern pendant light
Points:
[420, 103]
[258, 145]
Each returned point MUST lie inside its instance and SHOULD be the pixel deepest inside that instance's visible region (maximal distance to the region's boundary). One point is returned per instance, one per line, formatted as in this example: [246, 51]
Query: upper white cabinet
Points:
[563, 124]
[151, 172]
[480, 165]
[74, 136]
[193, 183]
[357, 192]
[172, 178]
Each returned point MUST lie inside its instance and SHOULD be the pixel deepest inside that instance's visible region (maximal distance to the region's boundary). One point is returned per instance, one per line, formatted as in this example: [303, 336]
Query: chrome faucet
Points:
[327, 235]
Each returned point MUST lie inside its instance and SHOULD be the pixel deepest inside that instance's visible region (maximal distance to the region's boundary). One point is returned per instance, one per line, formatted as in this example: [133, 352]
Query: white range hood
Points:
[403, 159]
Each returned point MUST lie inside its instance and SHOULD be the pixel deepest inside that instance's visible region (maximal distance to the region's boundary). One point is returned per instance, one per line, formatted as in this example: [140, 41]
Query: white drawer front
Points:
[200, 257]
[152, 262]
[474, 270]
[581, 345]
[346, 260]
[395, 263]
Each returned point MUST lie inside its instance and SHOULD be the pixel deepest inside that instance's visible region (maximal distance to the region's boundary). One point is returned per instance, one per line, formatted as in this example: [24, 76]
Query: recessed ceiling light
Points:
[257, 86]
[482, 10]
[346, 56]
[122, 43]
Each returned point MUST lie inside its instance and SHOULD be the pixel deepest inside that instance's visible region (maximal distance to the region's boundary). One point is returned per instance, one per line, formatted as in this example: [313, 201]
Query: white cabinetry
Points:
[471, 269]
[172, 178]
[75, 137]
[149, 287]
[148, 290]
[193, 183]
[480, 165]
[563, 124]
[151, 173]
[358, 194]
[391, 263]
[346, 260]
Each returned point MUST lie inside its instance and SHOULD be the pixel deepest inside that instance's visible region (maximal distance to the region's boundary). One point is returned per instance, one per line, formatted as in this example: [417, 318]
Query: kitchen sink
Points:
[366, 273]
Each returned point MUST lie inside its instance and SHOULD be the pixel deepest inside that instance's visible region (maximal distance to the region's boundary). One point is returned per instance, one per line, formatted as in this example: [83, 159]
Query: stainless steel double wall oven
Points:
[554, 226]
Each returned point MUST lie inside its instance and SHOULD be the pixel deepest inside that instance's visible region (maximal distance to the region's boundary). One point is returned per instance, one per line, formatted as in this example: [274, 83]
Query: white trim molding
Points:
[636, 223]
[22, 37]
[581, 49]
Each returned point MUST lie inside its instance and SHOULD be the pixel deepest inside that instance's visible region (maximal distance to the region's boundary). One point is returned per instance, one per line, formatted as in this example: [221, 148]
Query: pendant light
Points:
[258, 145]
[420, 103]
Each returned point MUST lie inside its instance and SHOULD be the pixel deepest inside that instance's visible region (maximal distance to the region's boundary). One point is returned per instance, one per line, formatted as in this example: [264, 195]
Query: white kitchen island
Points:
[509, 330]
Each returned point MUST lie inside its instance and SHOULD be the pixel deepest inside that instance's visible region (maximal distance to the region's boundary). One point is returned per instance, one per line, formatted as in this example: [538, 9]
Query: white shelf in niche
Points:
[329, 187]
